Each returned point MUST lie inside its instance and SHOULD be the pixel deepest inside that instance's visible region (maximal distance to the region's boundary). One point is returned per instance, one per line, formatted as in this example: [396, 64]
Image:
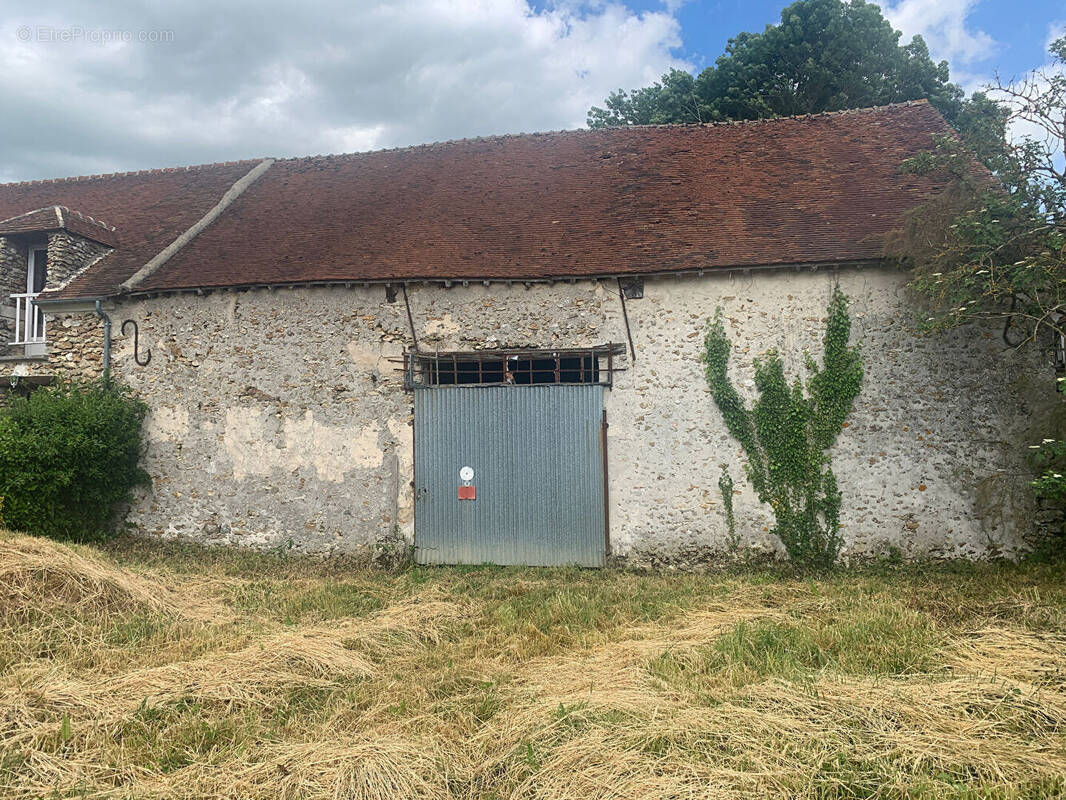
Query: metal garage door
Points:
[537, 458]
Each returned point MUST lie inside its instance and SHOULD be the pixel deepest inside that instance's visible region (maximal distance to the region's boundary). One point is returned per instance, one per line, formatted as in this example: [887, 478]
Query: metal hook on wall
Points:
[137, 344]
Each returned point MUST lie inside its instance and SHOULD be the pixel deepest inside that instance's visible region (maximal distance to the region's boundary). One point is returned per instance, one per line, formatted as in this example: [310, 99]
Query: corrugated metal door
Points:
[537, 456]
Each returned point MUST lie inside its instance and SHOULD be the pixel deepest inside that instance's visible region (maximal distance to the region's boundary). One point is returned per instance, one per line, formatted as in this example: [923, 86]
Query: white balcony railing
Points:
[29, 320]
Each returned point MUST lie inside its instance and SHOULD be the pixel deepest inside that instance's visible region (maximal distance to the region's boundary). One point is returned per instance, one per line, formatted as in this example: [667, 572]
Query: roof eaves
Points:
[447, 282]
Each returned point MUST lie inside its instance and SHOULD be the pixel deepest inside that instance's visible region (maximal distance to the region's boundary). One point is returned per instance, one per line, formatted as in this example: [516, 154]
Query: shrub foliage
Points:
[787, 433]
[995, 250]
[1049, 461]
[69, 456]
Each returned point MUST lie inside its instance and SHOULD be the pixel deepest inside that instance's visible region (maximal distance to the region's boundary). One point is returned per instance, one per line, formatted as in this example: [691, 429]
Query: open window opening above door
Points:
[595, 365]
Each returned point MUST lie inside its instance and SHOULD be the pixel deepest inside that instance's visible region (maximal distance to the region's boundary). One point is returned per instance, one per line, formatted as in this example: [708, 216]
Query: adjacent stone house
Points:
[490, 348]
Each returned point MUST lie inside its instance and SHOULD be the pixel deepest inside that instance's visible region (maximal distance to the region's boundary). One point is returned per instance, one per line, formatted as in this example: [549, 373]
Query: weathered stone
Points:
[303, 438]
[68, 256]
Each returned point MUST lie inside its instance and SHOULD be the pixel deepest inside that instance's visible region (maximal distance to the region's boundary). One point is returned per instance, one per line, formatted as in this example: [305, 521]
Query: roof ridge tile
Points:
[471, 139]
[129, 173]
[614, 128]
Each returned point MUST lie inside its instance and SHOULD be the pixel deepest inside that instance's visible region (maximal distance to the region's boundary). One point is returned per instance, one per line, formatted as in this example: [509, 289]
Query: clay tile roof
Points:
[801, 190]
[54, 218]
[40, 219]
[144, 212]
[89, 227]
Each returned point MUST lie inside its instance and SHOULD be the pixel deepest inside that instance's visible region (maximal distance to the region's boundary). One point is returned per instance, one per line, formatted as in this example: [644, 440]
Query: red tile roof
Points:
[41, 219]
[147, 210]
[804, 190]
[54, 218]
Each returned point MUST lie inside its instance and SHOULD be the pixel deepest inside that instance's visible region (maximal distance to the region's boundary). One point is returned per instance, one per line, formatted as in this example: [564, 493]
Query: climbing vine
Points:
[725, 486]
[787, 432]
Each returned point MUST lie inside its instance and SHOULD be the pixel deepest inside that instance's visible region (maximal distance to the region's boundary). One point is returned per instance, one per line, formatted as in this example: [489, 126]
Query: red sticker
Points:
[468, 493]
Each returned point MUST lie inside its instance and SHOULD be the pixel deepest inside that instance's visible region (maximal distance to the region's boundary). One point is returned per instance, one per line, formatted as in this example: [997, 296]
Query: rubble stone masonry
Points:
[278, 418]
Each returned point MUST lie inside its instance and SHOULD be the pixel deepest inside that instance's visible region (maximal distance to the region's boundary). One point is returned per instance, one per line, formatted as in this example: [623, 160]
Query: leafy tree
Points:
[994, 248]
[787, 433]
[825, 55]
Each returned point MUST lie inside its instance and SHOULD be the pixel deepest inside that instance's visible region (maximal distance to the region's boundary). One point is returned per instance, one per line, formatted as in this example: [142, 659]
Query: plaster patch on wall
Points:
[403, 434]
[364, 357]
[243, 440]
[332, 451]
[167, 423]
[441, 327]
[256, 446]
[364, 448]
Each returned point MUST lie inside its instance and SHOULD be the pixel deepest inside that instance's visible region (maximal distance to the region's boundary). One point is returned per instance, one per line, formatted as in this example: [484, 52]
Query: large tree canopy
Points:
[996, 250]
[825, 55]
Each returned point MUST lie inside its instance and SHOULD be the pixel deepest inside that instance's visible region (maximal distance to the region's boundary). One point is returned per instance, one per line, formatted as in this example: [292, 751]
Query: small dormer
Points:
[42, 251]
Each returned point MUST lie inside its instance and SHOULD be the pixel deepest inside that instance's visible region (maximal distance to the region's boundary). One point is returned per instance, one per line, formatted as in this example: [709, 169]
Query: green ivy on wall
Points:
[788, 431]
[725, 486]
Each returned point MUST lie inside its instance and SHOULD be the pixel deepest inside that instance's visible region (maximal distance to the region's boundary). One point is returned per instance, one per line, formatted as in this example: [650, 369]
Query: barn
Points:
[489, 350]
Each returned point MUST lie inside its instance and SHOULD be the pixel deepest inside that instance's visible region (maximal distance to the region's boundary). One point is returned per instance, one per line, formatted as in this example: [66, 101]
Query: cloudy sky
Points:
[113, 85]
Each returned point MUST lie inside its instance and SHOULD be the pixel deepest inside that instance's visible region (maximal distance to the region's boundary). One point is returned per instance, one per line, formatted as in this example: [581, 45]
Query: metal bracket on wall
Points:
[137, 344]
[625, 316]
[632, 288]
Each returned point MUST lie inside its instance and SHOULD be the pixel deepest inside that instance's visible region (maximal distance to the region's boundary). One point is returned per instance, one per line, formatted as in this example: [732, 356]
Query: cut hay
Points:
[1036, 658]
[443, 695]
[385, 767]
[253, 676]
[38, 576]
[608, 730]
[781, 740]
[258, 675]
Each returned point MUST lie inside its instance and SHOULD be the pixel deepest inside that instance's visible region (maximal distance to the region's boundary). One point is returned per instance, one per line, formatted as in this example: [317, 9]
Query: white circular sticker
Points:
[466, 474]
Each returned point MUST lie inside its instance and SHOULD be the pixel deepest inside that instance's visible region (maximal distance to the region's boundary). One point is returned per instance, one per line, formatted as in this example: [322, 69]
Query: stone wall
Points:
[69, 255]
[277, 418]
[937, 417]
[73, 354]
[75, 351]
[12, 281]
[75, 347]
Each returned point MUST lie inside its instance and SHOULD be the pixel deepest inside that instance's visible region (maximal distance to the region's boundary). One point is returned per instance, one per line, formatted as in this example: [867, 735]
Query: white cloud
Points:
[1055, 30]
[278, 78]
[1040, 79]
[942, 23]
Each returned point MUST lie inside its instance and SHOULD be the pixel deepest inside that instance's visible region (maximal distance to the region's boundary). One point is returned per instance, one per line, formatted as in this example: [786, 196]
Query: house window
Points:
[513, 368]
[37, 270]
[29, 319]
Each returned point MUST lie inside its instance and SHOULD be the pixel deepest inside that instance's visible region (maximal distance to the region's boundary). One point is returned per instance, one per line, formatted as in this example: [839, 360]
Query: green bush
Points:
[69, 457]
[1049, 460]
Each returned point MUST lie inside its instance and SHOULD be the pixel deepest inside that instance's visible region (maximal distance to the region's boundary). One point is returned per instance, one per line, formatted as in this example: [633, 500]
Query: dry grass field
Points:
[147, 671]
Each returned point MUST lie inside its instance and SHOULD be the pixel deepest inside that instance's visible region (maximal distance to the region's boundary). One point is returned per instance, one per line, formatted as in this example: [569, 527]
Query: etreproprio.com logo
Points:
[77, 33]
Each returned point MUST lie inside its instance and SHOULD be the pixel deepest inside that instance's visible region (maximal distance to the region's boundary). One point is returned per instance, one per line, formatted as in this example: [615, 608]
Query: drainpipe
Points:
[107, 341]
